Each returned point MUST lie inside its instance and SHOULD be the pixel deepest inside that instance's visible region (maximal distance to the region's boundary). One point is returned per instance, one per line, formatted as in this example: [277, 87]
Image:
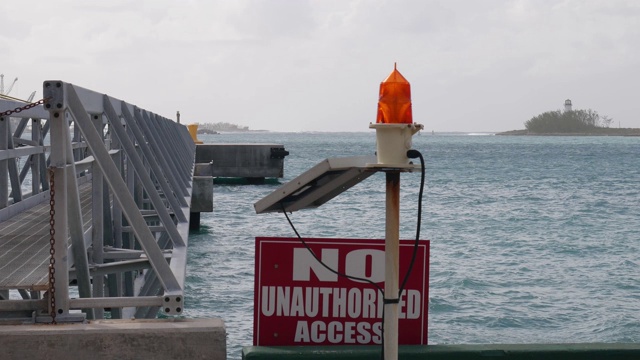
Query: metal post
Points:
[74, 216]
[97, 219]
[36, 137]
[43, 158]
[4, 145]
[115, 281]
[14, 175]
[77, 152]
[58, 162]
[391, 269]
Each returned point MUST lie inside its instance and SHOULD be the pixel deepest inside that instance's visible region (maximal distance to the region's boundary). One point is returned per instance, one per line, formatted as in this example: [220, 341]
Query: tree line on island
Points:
[216, 128]
[574, 121]
[571, 122]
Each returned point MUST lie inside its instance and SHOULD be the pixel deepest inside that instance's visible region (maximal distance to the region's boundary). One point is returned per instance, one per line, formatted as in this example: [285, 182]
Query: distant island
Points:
[593, 132]
[571, 123]
[216, 128]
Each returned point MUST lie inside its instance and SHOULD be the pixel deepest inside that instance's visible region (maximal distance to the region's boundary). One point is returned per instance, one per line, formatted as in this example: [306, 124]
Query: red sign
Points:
[297, 301]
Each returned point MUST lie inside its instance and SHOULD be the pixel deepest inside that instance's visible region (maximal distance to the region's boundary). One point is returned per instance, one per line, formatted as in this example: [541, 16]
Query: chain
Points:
[52, 250]
[28, 106]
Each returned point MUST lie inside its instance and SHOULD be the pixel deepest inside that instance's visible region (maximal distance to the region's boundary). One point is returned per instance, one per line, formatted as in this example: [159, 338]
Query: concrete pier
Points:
[251, 161]
[202, 194]
[157, 339]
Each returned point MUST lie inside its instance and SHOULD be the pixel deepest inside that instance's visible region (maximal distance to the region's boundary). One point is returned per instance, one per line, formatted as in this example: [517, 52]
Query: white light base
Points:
[392, 143]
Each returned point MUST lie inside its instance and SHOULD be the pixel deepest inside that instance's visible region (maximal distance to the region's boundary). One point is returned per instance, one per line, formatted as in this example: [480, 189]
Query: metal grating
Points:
[24, 245]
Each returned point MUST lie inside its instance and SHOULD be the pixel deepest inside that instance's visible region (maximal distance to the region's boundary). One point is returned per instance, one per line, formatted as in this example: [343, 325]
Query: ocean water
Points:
[533, 239]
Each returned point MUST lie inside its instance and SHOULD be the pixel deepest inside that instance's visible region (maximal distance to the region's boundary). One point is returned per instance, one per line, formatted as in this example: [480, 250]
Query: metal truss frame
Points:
[132, 258]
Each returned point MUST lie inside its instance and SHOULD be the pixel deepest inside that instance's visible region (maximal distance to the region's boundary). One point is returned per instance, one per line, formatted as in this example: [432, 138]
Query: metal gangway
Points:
[94, 208]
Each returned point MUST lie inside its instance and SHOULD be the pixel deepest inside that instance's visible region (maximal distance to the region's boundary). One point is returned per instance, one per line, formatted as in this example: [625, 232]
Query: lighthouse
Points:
[567, 105]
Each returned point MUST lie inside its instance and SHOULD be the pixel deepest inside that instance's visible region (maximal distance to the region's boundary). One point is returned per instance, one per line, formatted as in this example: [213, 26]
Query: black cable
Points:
[414, 154]
[322, 263]
[340, 274]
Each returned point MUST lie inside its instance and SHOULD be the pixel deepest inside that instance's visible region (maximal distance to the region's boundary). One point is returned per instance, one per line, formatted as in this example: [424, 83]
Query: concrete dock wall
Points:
[156, 339]
[587, 351]
[243, 160]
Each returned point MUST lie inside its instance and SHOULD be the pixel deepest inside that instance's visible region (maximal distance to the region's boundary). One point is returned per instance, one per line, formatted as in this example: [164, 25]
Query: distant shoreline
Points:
[219, 132]
[598, 132]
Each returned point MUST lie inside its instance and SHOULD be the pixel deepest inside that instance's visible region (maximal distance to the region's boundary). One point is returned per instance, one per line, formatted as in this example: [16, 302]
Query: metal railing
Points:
[136, 168]
[14, 146]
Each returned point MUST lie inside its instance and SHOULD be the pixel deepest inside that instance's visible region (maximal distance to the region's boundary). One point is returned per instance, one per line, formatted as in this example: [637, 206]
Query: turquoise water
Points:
[534, 239]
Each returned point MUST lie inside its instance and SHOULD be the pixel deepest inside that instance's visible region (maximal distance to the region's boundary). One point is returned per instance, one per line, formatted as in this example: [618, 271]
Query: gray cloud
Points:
[317, 64]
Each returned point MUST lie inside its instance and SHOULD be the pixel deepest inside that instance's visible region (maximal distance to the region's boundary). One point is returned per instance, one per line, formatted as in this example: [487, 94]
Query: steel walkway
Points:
[121, 179]
[24, 245]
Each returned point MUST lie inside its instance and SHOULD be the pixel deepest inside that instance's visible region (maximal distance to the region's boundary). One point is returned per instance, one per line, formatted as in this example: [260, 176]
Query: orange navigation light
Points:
[394, 103]
[394, 126]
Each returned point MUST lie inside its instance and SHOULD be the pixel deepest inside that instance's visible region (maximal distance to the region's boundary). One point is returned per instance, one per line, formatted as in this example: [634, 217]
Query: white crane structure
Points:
[2, 92]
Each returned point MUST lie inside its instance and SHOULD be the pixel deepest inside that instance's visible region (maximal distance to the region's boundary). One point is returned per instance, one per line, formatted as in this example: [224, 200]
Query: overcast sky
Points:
[316, 65]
